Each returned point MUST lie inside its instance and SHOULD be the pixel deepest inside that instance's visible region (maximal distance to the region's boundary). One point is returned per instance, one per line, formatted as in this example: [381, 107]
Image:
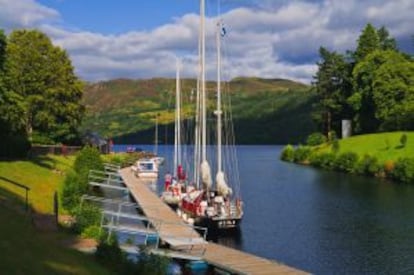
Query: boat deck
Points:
[183, 238]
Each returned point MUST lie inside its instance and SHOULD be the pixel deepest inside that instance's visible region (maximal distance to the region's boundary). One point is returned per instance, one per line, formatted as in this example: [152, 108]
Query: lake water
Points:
[321, 222]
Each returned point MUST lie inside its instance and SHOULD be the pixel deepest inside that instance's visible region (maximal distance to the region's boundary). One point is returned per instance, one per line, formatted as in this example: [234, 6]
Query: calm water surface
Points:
[322, 222]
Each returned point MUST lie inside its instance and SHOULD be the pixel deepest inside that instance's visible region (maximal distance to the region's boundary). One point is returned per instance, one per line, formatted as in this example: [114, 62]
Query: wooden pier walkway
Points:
[182, 237]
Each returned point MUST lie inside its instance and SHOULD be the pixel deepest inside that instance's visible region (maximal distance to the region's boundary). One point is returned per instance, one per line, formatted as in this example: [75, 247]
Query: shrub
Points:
[301, 154]
[323, 160]
[86, 215]
[152, 264]
[93, 232]
[88, 158]
[287, 153]
[403, 140]
[368, 165]
[109, 254]
[73, 189]
[315, 139]
[346, 162]
[41, 138]
[404, 170]
[389, 166]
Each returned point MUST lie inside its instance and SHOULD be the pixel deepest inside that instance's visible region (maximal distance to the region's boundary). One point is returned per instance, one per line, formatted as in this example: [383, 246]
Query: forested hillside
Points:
[265, 110]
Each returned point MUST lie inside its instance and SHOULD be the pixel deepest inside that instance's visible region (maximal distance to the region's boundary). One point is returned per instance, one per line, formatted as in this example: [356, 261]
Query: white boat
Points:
[145, 168]
[213, 203]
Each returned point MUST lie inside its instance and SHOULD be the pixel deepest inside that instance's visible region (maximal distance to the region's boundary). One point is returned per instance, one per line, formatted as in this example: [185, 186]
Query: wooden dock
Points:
[182, 237]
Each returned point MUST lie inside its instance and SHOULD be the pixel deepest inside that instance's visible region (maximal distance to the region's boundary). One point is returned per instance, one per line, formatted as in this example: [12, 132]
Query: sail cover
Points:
[222, 187]
[206, 175]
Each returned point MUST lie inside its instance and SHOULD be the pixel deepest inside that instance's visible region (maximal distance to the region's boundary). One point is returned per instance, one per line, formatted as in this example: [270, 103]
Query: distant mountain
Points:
[266, 111]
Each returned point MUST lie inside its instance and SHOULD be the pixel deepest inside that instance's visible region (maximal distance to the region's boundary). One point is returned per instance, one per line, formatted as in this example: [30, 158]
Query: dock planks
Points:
[172, 230]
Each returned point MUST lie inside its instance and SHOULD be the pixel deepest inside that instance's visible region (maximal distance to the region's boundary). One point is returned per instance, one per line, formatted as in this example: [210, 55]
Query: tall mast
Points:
[203, 83]
[218, 112]
[156, 135]
[177, 128]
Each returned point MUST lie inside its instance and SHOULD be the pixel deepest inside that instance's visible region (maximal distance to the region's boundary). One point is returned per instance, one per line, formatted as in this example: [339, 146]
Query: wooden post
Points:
[27, 199]
[56, 207]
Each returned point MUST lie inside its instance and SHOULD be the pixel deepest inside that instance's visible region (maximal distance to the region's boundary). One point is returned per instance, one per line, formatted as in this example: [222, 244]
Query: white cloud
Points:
[264, 38]
[24, 14]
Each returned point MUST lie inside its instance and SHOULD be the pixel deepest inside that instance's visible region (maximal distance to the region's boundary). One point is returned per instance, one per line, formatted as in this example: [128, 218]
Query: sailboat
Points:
[175, 184]
[211, 204]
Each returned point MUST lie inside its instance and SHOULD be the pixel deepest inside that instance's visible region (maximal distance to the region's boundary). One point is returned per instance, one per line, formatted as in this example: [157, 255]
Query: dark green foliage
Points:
[332, 85]
[368, 165]
[393, 90]
[316, 139]
[86, 215]
[368, 42]
[404, 170]
[14, 146]
[110, 255]
[301, 154]
[265, 111]
[152, 264]
[73, 189]
[323, 160]
[13, 140]
[346, 162]
[3, 44]
[373, 85]
[287, 153]
[386, 42]
[76, 182]
[268, 118]
[93, 232]
[41, 85]
[88, 159]
[403, 140]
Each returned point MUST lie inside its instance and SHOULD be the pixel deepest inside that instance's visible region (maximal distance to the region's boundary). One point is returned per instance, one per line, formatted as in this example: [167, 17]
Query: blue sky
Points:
[266, 38]
[114, 17]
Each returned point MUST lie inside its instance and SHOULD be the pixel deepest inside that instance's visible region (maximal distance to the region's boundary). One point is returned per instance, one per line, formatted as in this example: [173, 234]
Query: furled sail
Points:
[222, 187]
[206, 175]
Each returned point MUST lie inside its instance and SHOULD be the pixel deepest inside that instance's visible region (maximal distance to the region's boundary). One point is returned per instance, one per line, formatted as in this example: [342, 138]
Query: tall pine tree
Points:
[368, 42]
[332, 85]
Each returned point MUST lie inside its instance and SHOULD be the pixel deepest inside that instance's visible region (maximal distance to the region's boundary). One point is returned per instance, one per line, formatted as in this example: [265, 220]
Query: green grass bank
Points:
[23, 248]
[385, 155]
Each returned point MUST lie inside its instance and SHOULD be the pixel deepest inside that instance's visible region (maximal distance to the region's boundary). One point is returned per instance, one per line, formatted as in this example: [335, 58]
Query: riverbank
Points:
[384, 155]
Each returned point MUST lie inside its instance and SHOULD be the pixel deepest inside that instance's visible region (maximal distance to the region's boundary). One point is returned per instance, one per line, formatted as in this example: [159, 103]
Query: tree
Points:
[41, 78]
[2, 49]
[332, 84]
[368, 42]
[384, 95]
[13, 140]
[386, 42]
[393, 91]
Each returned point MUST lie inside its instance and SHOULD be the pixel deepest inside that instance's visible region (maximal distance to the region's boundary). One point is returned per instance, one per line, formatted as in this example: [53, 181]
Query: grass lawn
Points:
[24, 249]
[43, 175]
[385, 146]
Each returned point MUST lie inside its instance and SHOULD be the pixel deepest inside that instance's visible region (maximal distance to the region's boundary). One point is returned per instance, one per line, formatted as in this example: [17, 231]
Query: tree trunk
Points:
[328, 124]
